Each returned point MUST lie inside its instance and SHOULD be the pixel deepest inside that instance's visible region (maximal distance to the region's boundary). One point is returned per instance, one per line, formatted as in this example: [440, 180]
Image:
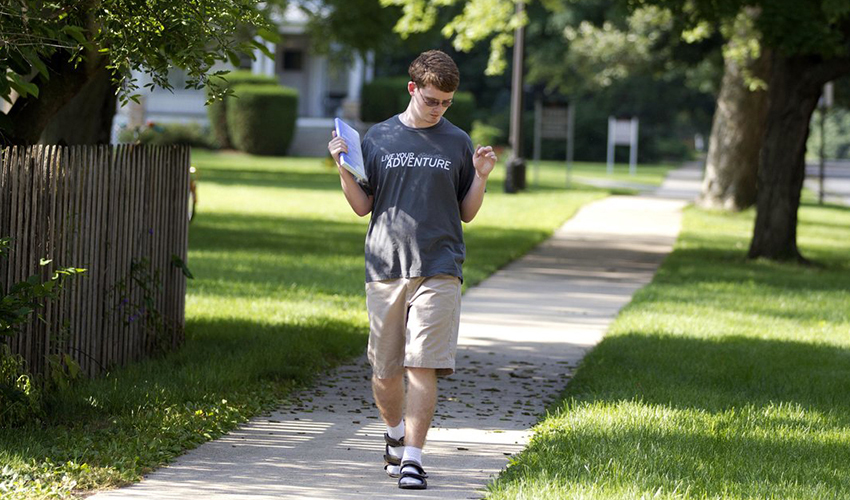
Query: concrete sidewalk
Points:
[523, 332]
[836, 185]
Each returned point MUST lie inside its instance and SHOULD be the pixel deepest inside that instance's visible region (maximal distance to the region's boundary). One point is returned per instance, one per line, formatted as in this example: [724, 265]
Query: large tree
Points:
[737, 130]
[82, 52]
[808, 44]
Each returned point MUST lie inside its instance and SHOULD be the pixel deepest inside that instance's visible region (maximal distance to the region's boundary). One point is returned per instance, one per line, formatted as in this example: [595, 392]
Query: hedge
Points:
[217, 110]
[166, 134]
[462, 110]
[383, 98]
[261, 118]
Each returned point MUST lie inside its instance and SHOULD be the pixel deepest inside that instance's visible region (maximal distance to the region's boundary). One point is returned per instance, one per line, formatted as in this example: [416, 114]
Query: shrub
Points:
[166, 134]
[486, 135]
[261, 118]
[462, 111]
[384, 97]
[837, 131]
[217, 110]
[20, 399]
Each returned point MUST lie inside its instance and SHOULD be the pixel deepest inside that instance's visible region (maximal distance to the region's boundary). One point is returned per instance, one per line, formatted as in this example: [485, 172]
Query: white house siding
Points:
[326, 89]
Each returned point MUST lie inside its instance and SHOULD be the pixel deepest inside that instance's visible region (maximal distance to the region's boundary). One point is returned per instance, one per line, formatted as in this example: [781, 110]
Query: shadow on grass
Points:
[221, 359]
[276, 252]
[715, 375]
[731, 266]
[278, 234]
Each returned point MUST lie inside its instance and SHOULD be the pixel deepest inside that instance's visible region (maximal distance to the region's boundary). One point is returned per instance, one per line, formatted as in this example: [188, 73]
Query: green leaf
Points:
[73, 367]
[76, 33]
[35, 60]
[234, 58]
[18, 63]
[5, 90]
[24, 311]
[178, 263]
[265, 50]
[269, 36]
[22, 87]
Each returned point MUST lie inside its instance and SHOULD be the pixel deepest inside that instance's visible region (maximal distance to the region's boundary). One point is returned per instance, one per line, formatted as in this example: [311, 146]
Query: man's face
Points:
[429, 103]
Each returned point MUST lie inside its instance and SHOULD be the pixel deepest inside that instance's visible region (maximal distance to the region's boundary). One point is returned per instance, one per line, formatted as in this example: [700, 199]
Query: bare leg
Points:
[389, 396]
[421, 400]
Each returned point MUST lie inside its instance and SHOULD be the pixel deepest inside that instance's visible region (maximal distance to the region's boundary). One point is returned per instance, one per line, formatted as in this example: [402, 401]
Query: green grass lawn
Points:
[277, 256]
[723, 379]
[556, 173]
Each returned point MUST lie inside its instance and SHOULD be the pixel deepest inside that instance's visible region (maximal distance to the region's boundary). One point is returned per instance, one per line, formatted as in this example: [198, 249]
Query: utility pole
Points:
[824, 104]
[515, 167]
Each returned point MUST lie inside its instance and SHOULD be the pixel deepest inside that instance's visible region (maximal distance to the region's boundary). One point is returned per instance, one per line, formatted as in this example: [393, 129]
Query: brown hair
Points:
[436, 68]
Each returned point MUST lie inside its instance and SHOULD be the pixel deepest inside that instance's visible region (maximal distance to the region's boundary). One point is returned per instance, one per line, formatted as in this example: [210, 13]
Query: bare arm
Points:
[360, 202]
[484, 160]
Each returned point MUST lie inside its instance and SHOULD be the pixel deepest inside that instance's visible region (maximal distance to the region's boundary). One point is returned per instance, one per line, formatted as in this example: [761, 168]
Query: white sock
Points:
[411, 453]
[414, 454]
[396, 432]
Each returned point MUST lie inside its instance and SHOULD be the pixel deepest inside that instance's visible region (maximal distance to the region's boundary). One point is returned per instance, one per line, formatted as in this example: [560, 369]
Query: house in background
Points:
[327, 87]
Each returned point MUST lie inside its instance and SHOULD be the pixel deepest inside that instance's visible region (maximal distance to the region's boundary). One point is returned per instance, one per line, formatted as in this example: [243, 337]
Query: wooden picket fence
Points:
[120, 212]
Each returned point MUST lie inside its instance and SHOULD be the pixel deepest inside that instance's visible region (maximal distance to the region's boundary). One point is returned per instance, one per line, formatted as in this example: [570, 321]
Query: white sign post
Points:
[623, 132]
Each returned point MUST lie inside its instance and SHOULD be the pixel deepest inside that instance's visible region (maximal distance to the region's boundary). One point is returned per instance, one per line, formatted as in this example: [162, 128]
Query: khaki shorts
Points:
[413, 323]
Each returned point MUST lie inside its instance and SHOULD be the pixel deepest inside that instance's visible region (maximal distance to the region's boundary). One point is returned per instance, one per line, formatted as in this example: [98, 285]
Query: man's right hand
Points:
[337, 146]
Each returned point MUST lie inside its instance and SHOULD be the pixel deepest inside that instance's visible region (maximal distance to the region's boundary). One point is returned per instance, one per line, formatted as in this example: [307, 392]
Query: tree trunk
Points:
[87, 118]
[30, 116]
[794, 88]
[737, 129]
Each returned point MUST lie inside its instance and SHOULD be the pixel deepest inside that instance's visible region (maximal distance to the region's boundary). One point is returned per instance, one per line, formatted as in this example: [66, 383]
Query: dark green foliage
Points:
[486, 135]
[261, 118]
[837, 128]
[217, 110]
[462, 110]
[383, 98]
[20, 397]
[27, 297]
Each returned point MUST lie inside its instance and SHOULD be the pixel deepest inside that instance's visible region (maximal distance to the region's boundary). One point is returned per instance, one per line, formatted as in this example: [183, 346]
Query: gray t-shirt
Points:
[418, 176]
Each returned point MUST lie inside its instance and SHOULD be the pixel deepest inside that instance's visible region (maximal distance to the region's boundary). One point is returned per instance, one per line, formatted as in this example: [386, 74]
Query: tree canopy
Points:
[49, 49]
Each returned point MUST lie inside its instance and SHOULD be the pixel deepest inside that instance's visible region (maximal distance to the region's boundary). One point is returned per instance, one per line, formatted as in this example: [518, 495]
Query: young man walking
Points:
[423, 178]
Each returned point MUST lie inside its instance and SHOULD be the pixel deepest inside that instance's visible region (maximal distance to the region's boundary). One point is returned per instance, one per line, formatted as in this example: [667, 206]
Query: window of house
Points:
[293, 60]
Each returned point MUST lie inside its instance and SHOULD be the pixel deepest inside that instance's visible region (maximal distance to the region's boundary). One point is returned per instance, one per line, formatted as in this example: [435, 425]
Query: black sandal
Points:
[418, 473]
[389, 460]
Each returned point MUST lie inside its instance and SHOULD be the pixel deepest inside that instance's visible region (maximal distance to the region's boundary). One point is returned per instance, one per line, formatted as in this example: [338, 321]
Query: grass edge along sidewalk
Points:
[277, 257]
[723, 378]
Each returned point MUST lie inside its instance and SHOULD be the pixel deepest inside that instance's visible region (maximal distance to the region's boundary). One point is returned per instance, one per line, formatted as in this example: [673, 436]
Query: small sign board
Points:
[554, 122]
[623, 132]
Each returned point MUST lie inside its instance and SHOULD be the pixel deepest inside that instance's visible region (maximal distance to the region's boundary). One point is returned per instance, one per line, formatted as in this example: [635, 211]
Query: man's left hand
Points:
[484, 160]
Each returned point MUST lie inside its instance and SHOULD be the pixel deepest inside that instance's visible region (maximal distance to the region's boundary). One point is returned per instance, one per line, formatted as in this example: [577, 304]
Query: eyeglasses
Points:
[433, 103]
